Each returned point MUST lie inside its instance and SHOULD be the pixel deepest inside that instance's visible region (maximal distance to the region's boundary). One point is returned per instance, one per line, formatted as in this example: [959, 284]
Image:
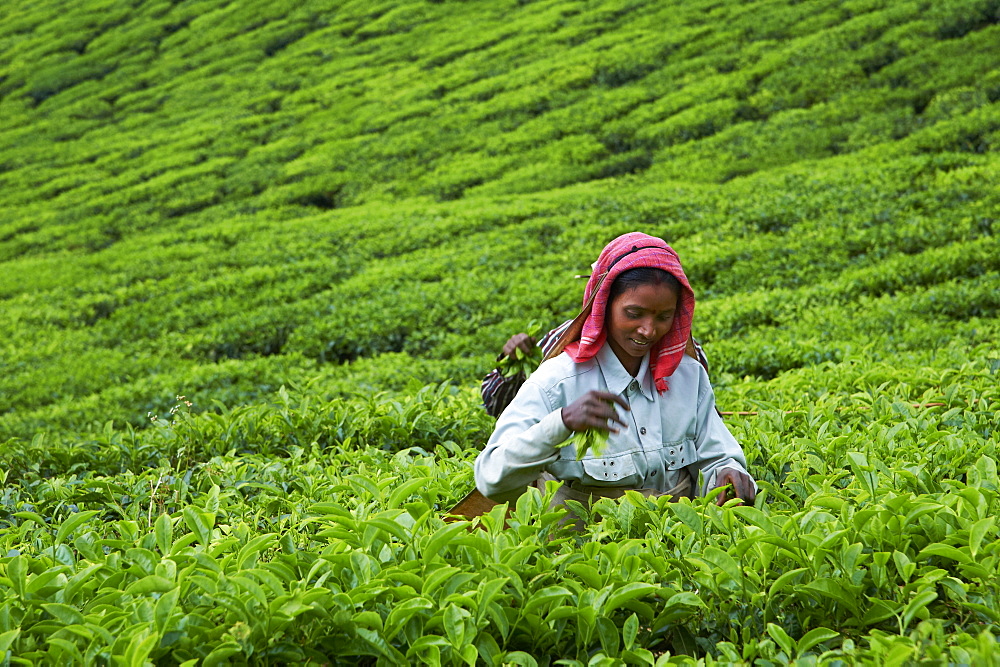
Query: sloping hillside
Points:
[255, 257]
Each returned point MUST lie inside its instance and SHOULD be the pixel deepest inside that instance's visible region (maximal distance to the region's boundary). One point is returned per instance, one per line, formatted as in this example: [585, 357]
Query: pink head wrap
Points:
[631, 251]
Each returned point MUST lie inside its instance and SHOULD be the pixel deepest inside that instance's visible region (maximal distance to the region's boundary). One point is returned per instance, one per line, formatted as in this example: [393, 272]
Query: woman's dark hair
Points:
[642, 275]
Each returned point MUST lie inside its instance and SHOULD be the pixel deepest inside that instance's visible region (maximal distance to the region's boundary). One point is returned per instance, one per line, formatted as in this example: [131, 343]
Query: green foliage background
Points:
[360, 201]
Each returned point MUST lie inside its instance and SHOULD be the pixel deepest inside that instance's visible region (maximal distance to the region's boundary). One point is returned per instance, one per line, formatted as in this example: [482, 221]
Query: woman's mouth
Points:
[640, 343]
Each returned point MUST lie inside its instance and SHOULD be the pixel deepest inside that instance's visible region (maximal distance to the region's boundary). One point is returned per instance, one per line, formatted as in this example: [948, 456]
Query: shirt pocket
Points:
[609, 468]
[677, 455]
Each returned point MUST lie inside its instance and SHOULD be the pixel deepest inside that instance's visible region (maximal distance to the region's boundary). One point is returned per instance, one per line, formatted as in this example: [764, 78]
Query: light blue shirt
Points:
[669, 435]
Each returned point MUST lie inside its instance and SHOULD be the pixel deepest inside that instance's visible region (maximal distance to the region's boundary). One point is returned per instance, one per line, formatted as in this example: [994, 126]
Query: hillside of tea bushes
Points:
[255, 257]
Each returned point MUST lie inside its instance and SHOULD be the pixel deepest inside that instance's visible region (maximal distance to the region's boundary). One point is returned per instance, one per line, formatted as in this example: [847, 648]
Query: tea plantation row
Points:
[255, 258]
[306, 530]
[232, 312]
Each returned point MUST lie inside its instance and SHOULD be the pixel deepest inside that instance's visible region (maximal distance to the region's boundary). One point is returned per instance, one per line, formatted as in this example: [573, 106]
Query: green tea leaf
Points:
[977, 532]
[626, 593]
[919, 602]
[945, 551]
[986, 611]
[834, 590]
[141, 645]
[488, 648]
[630, 630]
[67, 647]
[64, 613]
[150, 584]
[164, 608]
[550, 596]
[469, 653]
[72, 523]
[368, 619]
[688, 515]
[785, 580]
[488, 590]
[587, 573]
[684, 599]
[608, 635]
[164, 529]
[441, 538]
[814, 637]
[454, 625]
[7, 639]
[782, 639]
[31, 516]
[376, 641]
[48, 579]
[639, 656]
[17, 571]
[220, 654]
[519, 658]
[388, 525]
[248, 554]
[403, 612]
[879, 611]
[200, 523]
[724, 562]
[145, 559]
[401, 493]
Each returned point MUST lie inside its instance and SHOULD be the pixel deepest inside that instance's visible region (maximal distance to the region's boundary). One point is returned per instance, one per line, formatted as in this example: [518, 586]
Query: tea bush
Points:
[319, 227]
[209, 534]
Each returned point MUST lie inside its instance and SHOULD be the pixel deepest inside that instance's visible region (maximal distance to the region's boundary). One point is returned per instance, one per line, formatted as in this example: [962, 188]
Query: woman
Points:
[620, 368]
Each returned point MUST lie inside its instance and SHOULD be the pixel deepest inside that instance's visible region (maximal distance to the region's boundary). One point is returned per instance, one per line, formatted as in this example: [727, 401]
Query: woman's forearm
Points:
[520, 448]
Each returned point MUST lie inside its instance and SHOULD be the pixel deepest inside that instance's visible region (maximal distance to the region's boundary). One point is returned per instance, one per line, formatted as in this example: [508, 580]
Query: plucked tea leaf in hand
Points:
[520, 362]
[592, 439]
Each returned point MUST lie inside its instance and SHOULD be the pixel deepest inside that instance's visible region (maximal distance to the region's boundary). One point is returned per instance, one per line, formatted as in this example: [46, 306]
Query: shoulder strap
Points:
[575, 329]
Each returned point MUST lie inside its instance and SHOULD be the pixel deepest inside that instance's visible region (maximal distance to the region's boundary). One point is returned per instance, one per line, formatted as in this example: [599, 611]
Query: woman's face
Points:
[637, 319]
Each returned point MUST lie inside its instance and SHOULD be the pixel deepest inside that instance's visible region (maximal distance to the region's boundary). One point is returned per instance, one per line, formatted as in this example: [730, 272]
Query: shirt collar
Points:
[617, 378]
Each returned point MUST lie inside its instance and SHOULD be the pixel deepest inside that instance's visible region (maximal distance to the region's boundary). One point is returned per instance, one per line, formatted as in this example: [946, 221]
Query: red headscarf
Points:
[631, 251]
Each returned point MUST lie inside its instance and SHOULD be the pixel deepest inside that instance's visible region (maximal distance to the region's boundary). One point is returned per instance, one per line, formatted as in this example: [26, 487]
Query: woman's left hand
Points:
[737, 484]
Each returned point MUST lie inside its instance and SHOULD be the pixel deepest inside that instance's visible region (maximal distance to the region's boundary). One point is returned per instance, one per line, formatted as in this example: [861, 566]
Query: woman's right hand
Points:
[520, 340]
[593, 410]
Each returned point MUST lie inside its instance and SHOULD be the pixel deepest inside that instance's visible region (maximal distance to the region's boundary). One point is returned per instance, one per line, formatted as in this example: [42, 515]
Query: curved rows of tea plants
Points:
[254, 260]
[129, 327]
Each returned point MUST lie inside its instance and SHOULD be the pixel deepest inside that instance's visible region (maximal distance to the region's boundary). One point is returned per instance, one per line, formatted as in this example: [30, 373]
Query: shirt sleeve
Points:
[717, 448]
[523, 443]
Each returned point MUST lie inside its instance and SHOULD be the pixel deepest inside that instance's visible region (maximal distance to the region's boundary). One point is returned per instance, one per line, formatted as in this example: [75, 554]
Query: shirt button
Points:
[642, 430]
[653, 474]
[634, 387]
